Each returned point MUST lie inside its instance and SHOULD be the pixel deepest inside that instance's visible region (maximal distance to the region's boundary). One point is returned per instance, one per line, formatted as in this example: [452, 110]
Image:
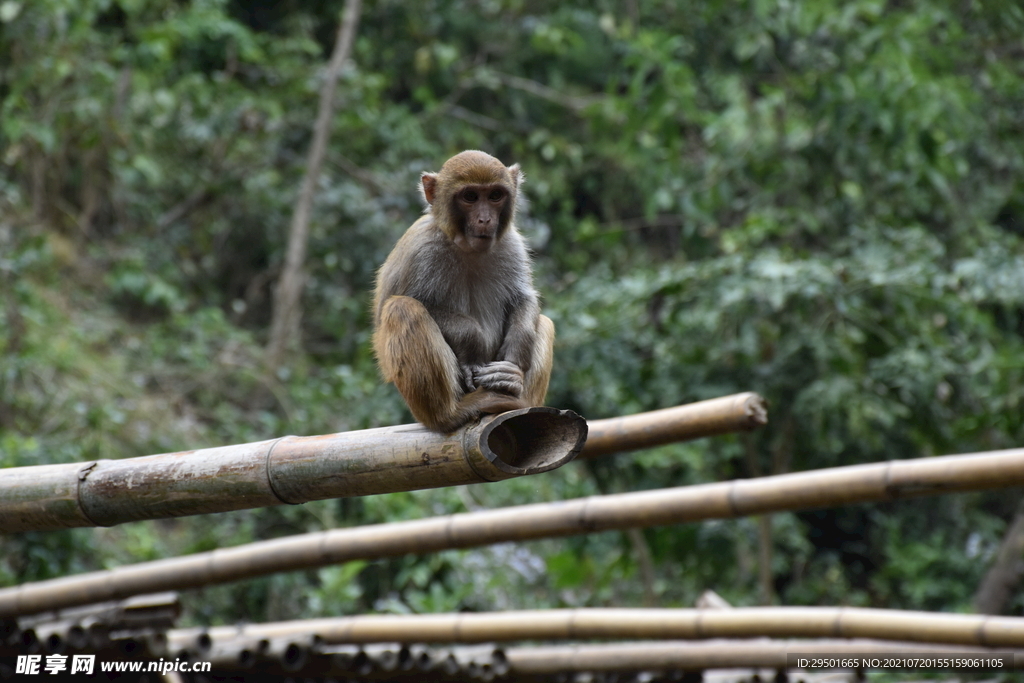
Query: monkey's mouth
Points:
[467, 241]
[481, 242]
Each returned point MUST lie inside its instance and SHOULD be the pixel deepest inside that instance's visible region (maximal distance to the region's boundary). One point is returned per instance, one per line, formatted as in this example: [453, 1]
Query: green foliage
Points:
[816, 200]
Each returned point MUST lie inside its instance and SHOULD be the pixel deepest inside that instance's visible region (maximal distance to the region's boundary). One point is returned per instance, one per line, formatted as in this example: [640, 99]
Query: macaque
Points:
[457, 323]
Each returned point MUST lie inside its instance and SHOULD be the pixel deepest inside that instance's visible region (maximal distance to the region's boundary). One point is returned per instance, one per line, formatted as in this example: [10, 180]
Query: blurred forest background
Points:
[818, 200]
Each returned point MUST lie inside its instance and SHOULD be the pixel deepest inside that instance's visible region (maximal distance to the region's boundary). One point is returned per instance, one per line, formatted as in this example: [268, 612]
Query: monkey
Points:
[457, 321]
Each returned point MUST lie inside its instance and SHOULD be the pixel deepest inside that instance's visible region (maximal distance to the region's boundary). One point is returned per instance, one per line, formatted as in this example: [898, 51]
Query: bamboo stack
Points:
[138, 623]
[359, 648]
[305, 655]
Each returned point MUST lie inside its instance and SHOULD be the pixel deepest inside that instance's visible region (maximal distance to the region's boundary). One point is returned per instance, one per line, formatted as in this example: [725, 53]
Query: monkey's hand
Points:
[501, 376]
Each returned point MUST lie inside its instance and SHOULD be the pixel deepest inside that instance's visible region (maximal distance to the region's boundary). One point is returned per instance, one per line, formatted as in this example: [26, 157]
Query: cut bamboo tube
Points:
[736, 413]
[716, 654]
[615, 623]
[796, 491]
[289, 470]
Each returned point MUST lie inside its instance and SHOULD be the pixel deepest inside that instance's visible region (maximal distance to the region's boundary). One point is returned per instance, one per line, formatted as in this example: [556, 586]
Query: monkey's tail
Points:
[473, 405]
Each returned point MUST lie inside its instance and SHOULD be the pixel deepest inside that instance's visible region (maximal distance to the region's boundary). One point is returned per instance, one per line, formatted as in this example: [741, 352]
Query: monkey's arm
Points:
[507, 372]
[521, 332]
[396, 275]
[464, 334]
[529, 383]
[467, 340]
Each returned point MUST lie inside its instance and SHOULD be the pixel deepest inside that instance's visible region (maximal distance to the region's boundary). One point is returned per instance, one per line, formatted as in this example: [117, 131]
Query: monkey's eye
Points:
[496, 195]
[470, 196]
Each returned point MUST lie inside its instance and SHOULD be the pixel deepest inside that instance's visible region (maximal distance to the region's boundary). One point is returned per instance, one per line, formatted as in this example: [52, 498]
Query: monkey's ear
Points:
[428, 184]
[517, 175]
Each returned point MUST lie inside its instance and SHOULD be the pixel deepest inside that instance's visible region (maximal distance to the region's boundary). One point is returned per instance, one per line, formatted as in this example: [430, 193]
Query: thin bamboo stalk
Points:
[289, 470]
[735, 413]
[156, 611]
[714, 654]
[795, 491]
[616, 623]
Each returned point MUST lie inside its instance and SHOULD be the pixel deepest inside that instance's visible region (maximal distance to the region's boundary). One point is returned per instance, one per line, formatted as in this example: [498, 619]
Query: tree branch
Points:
[284, 324]
[1004, 574]
[574, 102]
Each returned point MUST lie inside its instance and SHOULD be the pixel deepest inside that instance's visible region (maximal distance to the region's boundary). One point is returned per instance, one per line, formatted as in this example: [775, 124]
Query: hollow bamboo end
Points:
[247, 658]
[756, 409]
[294, 656]
[533, 440]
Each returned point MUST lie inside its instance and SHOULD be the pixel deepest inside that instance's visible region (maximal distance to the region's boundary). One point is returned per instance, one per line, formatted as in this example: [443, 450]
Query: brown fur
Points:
[458, 325]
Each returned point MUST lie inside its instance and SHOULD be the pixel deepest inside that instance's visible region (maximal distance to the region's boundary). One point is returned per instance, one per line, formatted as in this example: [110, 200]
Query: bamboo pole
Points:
[736, 413]
[293, 470]
[795, 491]
[289, 470]
[717, 654]
[237, 654]
[622, 623]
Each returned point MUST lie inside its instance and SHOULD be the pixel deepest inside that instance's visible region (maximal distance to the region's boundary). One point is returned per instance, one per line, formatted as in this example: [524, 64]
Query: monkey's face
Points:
[472, 199]
[483, 216]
